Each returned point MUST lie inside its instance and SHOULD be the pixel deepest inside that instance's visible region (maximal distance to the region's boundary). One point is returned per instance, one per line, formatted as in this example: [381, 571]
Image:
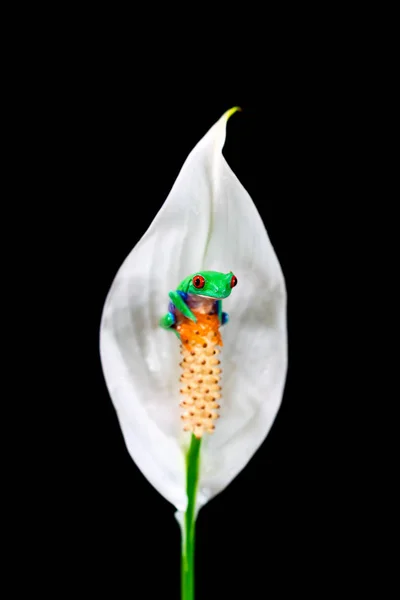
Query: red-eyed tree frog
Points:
[204, 285]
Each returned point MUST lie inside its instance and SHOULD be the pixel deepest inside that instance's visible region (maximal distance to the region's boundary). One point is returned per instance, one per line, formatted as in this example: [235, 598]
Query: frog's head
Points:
[211, 284]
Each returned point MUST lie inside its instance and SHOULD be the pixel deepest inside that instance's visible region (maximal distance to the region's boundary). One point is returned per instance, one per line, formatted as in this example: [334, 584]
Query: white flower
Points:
[208, 222]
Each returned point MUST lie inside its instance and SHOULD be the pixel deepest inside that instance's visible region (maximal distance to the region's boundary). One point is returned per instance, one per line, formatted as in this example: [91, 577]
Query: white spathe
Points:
[208, 222]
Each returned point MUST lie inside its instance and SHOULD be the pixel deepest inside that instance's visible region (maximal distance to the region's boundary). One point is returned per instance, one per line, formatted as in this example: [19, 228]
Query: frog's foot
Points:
[168, 320]
[224, 318]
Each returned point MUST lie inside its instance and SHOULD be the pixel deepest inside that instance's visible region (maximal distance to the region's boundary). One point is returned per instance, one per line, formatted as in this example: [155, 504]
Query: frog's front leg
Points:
[222, 316]
[178, 299]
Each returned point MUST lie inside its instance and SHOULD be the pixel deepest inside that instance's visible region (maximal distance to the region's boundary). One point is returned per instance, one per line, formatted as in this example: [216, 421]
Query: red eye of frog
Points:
[198, 281]
[233, 281]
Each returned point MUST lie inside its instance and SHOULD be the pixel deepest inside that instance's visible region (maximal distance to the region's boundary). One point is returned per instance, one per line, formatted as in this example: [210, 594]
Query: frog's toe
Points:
[224, 318]
[168, 320]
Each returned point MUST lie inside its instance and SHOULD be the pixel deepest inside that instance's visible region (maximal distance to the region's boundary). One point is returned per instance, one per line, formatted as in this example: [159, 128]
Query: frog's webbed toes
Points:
[168, 320]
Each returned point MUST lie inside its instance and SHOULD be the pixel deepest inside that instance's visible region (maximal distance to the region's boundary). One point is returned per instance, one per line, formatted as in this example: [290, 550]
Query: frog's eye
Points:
[198, 281]
[233, 281]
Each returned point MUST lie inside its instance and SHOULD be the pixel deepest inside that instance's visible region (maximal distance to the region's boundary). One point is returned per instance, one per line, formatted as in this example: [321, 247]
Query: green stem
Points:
[188, 538]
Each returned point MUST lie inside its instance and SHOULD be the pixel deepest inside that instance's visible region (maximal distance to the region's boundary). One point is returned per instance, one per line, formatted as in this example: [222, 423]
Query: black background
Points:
[114, 151]
[102, 111]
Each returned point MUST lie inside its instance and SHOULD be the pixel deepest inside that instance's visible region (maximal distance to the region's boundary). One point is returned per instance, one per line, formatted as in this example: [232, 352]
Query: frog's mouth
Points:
[208, 297]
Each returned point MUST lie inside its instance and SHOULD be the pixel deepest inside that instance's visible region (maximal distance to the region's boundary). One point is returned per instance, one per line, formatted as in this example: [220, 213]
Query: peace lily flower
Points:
[208, 222]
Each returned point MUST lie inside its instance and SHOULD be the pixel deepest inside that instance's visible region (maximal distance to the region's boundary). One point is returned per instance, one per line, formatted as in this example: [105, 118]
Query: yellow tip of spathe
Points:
[232, 111]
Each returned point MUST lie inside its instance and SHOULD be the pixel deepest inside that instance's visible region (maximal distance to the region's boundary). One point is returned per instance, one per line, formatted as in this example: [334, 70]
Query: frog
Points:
[202, 284]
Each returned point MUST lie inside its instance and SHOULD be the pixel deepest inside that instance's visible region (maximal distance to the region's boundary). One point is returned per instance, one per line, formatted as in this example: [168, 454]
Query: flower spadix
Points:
[208, 222]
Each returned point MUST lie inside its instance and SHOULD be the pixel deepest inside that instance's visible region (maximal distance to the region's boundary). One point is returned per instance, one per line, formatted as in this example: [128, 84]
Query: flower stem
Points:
[188, 538]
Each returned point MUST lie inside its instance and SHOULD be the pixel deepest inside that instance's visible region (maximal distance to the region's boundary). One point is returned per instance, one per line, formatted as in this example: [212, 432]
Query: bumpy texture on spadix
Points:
[200, 378]
[207, 222]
